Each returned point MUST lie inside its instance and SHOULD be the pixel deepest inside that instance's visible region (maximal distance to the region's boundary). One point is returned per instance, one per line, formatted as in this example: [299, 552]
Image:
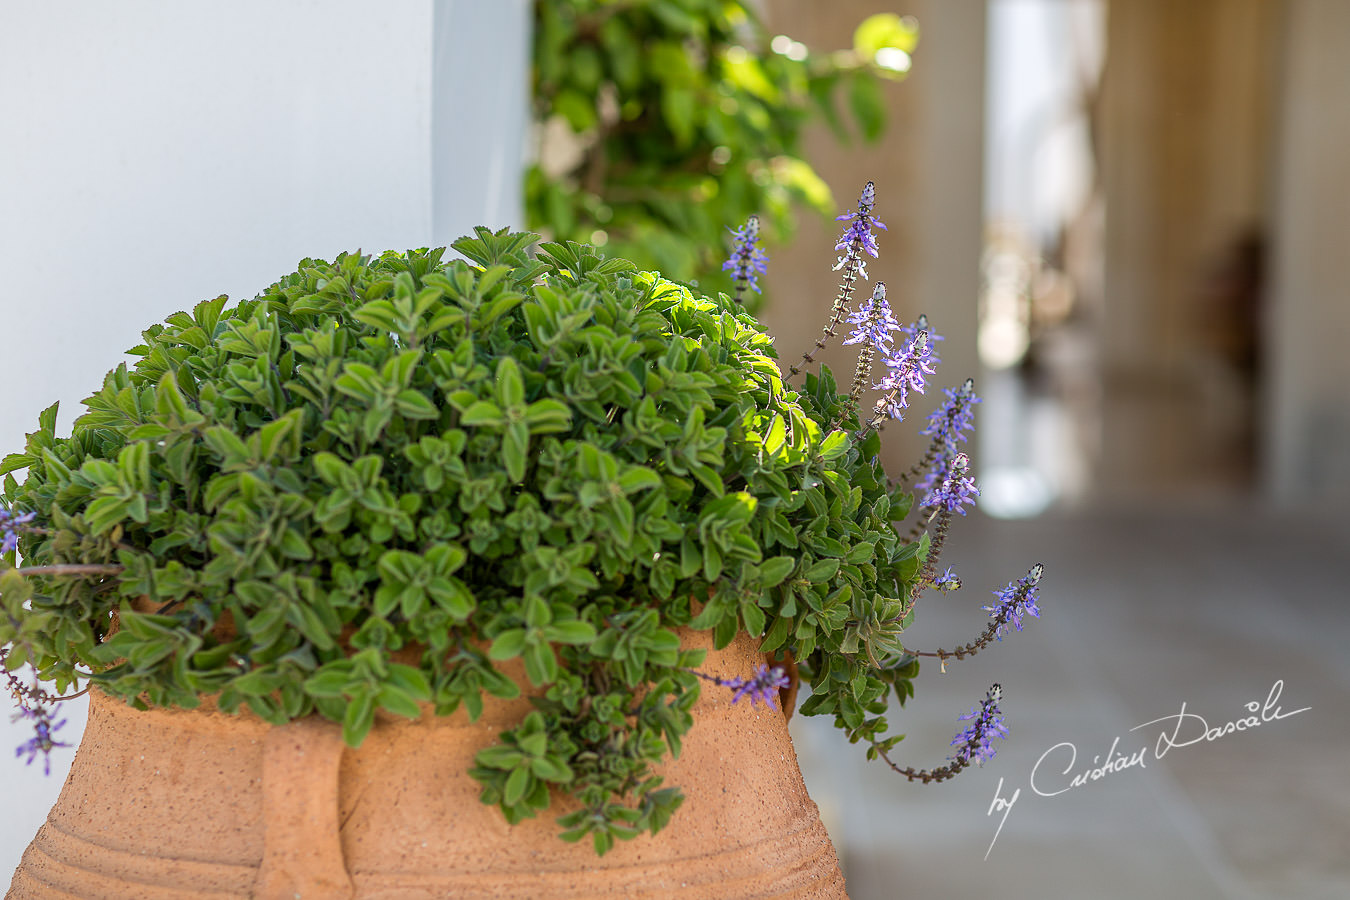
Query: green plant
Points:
[548, 459]
[551, 458]
[660, 121]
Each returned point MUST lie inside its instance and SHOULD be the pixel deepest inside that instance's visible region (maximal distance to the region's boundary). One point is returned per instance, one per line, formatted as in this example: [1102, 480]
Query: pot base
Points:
[180, 804]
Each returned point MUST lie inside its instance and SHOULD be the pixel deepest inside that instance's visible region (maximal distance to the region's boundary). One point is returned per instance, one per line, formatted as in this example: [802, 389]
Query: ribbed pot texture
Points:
[202, 804]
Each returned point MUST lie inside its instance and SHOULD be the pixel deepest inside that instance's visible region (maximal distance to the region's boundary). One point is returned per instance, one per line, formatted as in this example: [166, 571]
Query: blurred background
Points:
[1128, 219]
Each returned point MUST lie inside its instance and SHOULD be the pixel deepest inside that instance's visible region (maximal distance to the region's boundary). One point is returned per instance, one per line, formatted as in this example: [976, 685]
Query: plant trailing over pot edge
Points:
[548, 457]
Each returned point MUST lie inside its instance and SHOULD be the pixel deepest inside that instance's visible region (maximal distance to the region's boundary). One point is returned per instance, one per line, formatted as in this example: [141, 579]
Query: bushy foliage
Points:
[383, 478]
[661, 122]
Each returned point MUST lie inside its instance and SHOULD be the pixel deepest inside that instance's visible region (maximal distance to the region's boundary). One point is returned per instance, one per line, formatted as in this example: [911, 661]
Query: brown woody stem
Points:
[852, 262]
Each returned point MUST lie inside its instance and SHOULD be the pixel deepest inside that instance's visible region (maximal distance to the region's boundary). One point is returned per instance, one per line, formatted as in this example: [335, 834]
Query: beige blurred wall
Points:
[927, 170]
[1219, 120]
[1185, 152]
[1307, 432]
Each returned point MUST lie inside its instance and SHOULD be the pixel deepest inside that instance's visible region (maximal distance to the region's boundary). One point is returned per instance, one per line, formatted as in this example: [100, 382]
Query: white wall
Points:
[154, 154]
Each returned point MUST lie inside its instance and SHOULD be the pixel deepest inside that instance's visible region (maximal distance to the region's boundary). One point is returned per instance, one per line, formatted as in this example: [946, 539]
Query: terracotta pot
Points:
[198, 803]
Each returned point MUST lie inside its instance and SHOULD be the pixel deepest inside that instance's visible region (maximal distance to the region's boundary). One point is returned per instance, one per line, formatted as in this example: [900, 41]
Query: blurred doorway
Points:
[1127, 172]
[1041, 269]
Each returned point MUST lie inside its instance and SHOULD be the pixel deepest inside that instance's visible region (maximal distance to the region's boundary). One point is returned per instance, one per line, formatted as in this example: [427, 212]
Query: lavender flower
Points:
[34, 705]
[856, 239]
[1016, 600]
[947, 425]
[974, 742]
[947, 581]
[873, 322]
[858, 236]
[11, 523]
[42, 740]
[908, 365]
[957, 488]
[747, 260]
[956, 415]
[763, 685]
[921, 324]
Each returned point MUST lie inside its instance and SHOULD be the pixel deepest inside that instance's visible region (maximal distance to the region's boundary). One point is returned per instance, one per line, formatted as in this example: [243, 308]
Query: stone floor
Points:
[1143, 610]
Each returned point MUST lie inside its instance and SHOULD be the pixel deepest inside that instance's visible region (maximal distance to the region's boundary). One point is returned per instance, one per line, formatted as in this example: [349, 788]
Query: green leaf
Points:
[541, 666]
[410, 681]
[399, 703]
[359, 718]
[515, 451]
[226, 445]
[885, 30]
[293, 546]
[517, 783]
[104, 513]
[711, 615]
[483, 413]
[753, 617]
[861, 552]
[778, 633]
[510, 387]
[328, 682]
[821, 571]
[413, 404]
[330, 468]
[271, 435]
[573, 632]
[637, 478]
[773, 570]
[868, 105]
[508, 644]
[678, 107]
[499, 756]
[548, 416]
[16, 657]
[169, 400]
[307, 621]
[576, 109]
[834, 446]
[712, 562]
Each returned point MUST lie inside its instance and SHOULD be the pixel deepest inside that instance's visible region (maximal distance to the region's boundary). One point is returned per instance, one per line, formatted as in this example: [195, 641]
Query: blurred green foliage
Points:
[662, 122]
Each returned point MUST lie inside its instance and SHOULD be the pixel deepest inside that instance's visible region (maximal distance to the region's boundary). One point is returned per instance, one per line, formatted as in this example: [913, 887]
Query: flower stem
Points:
[941, 773]
[838, 310]
[72, 569]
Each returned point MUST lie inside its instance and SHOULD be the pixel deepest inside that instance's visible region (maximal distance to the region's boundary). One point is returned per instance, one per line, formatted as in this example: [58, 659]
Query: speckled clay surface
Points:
[199, 804]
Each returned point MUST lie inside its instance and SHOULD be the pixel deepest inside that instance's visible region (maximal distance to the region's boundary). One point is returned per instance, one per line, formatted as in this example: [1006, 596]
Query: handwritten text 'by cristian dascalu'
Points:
[1051, 776]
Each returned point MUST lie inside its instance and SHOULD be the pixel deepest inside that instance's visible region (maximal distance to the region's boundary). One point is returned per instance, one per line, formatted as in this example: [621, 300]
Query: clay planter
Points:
[198, 804]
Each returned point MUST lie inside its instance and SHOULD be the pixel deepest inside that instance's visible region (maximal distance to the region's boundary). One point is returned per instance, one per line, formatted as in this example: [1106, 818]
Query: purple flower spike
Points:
[1016, 600]
[858, 236]
[35, 705]
[957, 488]
[921, 324]
[908, 365]
[956, 416]
[42, 740]
[948, 425]
[747, 260]
[975, 741]
[874, 322]
[763, 685]
[11, 523]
